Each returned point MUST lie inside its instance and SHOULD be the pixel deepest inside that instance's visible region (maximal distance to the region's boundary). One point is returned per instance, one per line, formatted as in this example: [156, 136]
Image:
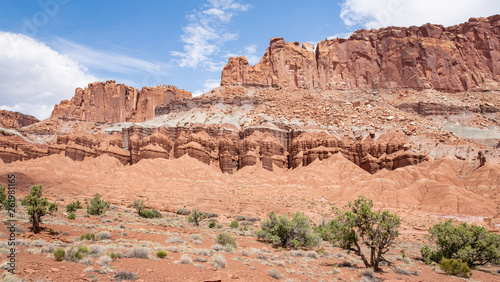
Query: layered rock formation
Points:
[227, 150]
[457, 58]
[15, 120]
[111, 102]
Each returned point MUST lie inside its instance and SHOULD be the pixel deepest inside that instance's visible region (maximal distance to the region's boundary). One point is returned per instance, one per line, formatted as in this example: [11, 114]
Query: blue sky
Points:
[50, 47]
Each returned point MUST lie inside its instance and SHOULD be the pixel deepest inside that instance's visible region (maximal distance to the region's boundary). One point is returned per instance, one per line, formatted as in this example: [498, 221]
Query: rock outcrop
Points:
[111, 102]
[15, 120]
[457, 58]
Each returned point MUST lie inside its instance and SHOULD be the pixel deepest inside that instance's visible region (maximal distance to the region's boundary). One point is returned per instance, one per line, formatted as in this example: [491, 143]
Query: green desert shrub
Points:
[472, 244]
[59, 254]
[71, 215]
[224, 239]
[97, 205]
[292, 233]
[212, 224]
[150, 214]
[76, 254]
[234, 224]
[161, 254]
[455, 267]
[72, 207]
[88, 237]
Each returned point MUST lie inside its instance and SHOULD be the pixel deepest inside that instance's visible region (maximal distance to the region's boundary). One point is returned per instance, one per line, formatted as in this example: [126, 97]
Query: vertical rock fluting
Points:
[111, 102]
[457, 58]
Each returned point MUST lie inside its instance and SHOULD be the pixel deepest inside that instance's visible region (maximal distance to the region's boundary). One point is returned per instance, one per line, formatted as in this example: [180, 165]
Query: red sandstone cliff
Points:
[456, 58]
[15, 120]
[111, 102]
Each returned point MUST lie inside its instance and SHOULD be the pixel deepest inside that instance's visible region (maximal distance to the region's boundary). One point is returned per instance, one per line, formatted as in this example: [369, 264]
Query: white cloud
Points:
[34, 77]
[249, 54]
[208, 85]
[206, 33]
[111, 61]
[381, 13]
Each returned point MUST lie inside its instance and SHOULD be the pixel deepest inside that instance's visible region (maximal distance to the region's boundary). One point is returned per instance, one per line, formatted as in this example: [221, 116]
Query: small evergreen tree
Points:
[37, 206]
[196, 217]
[472, 244]
[97, 205]
[377, 230]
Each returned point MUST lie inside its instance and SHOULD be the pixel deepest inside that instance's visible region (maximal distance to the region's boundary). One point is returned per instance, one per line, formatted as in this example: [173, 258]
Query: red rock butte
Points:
[457, 58]
[111, 102]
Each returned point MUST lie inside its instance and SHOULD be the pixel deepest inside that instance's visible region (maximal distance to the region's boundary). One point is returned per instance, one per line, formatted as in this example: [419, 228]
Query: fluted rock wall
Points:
[227, 150]
[112, 102]
[456, 58]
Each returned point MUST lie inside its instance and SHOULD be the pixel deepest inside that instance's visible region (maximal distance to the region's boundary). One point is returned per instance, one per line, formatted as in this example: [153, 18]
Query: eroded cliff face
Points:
[112, 102]
[15, 120]
[457, 58]
[228, 151]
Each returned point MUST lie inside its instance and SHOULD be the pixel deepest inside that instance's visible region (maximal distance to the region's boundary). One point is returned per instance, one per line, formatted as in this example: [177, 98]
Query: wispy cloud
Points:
[206, 33]
[110, 61]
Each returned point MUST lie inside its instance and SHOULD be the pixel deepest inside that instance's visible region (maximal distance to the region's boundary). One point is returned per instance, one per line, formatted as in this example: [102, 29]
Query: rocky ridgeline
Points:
[457, 58]
[15, 120]
[225, 149]
[111, 102]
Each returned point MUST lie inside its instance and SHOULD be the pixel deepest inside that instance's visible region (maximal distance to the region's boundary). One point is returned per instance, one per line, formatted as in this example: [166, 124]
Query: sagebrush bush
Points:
[161, 254]
[125, 275]
[455, 267]
[96, 250]
[224, 239]
[289, 233]
[368, 276]
[218, 261]
[97, 206]
[139, 252]
[275, 274]
[234, 224]
[185, 259]
[103, 235]
[114, 255]
[195, 237]
[59, 254]
[175, 240]
[183, 211]
[104, 261]
[473, 244]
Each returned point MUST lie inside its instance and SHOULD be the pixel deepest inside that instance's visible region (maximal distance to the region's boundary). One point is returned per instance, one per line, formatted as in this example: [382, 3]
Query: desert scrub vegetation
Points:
[275, 273]
[161, 254]
[143, 212]
[6, 201]
[218, 261]
[72, 207]
[183, 211]
[97, 206]
[125, 275]
[59, 254]
[139, 252]
[76, 254]
[234, 224]
[37, 206]
[377, 230]
[196, 217]
[225, 239]
[455, 267]
[292, 233]
[471, 244]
